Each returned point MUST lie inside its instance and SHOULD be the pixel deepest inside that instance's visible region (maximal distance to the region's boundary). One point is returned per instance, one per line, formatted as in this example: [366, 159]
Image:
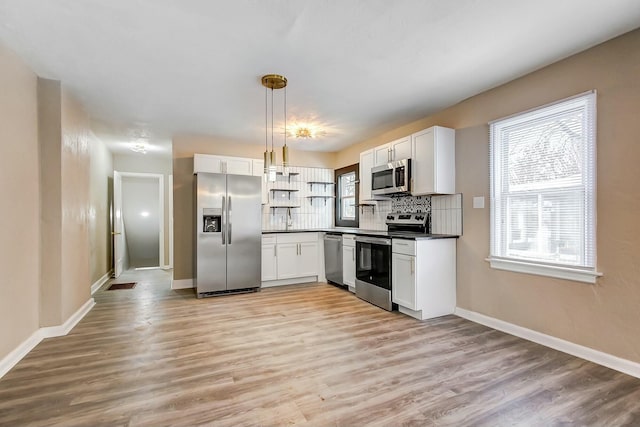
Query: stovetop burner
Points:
[417, 222]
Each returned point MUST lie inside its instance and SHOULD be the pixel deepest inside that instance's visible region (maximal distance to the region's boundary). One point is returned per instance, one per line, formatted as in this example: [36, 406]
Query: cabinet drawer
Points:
[269, 240]
[348, 240]
[297, 237]
[403, 246]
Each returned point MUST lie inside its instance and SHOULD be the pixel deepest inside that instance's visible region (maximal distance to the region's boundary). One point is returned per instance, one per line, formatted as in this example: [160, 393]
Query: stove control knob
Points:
[390, 217]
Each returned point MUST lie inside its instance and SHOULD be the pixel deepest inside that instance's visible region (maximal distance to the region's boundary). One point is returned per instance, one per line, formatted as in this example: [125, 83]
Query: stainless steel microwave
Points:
[391, 178]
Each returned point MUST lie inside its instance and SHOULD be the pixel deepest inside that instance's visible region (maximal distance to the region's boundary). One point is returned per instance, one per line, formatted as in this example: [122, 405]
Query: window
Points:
[543, 190]
[347, 196]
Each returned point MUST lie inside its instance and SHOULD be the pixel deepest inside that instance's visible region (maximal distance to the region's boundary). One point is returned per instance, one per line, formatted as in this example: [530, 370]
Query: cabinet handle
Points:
[389, 154]
[275, 251]
[353, 254]
[413, 265]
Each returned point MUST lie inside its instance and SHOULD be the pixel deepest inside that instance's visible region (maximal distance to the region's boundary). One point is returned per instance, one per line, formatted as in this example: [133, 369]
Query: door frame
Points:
[161, 190]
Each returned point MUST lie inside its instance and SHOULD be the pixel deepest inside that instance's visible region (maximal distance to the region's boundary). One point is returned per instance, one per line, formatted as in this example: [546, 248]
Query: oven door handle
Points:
[373, 240]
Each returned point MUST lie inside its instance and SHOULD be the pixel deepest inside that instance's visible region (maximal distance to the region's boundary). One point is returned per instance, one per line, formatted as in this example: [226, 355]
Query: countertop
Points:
[361, 232]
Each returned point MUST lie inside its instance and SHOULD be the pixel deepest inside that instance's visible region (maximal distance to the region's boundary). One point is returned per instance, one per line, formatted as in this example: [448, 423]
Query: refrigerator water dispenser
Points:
[211, 220]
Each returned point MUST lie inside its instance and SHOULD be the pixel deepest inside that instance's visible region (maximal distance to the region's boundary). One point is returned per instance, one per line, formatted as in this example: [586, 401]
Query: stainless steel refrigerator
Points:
[228, 233]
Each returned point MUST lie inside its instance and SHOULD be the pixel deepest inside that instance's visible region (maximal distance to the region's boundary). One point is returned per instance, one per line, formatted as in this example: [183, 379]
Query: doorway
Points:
[139, 221]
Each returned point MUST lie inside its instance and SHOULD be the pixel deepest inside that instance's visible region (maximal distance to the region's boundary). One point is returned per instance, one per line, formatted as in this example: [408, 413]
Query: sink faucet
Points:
[289, 219]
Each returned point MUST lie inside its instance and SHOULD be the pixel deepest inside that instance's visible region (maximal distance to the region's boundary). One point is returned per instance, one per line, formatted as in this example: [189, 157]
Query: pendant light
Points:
[274, 81]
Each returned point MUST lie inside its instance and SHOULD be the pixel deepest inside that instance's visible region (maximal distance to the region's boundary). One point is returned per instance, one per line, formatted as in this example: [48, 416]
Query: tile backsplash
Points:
[446, 212]
[308, 212]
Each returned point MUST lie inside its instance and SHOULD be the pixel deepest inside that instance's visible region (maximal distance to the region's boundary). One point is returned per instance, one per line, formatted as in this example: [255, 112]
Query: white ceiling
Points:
[358, 67]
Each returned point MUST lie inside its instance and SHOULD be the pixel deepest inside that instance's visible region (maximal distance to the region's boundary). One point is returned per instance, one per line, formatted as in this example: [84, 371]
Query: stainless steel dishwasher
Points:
[333, 258]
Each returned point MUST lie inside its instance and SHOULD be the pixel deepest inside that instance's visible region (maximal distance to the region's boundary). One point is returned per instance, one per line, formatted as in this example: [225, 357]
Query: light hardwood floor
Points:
[309, 355]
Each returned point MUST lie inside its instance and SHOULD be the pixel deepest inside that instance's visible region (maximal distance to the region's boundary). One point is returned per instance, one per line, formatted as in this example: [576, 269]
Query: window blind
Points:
[543, 172]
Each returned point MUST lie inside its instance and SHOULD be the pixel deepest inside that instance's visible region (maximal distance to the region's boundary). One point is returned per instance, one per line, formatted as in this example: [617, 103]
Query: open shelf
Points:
[362, 206]
[288, 208]
[289, 175]
[323, 183]
[283, 190]
[320, 197]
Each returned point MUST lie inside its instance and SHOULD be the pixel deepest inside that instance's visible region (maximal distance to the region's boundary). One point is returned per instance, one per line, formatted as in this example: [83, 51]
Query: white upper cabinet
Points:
[394, 150]
[222, 164]
[433, 169]
[366, 163]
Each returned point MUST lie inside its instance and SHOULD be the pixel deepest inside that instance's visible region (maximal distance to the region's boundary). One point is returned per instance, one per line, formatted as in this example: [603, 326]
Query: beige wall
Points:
[183, 149]
[19, 216]
[146, 163]
[49, 126]
[604, 316]
[76, 206]
[100, 192]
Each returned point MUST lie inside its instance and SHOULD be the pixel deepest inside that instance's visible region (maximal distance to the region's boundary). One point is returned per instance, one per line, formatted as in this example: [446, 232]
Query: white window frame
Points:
[499, 259]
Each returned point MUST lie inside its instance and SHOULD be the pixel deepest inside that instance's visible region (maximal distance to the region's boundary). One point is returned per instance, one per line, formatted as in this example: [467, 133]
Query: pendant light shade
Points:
[274, 81]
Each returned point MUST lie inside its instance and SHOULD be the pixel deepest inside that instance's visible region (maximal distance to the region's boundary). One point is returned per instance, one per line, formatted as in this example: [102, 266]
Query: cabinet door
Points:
[401, 149]
[207, 163]
[287, 264]
[403, 284]
[382, 155]
[269, 264]
[349, 265]
[434, 154]
[238, 166]
[422, 170]
[366, 163]
[307, 260]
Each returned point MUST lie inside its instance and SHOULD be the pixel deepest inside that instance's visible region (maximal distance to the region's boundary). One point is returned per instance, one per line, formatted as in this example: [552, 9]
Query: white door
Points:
[238, 166]
[118, 241]
[307, 259]
[269, 264]
[287, 260]
[366, 163]
[401, 149]
[382, 155]
[349, 265]
[403, 282]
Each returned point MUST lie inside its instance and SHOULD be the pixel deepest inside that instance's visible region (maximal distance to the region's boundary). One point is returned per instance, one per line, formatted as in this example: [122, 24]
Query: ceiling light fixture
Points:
[140, 146]
[274, 81]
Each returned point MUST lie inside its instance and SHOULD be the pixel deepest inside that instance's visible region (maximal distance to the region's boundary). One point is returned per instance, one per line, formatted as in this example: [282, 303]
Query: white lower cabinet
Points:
[289, 256]
[404, 287]
[424, 277]
[287, 260]
[349, 261]
[269, 260]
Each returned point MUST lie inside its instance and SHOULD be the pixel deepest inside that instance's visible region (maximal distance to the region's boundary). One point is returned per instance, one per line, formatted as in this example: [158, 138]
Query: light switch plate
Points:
[478, 202]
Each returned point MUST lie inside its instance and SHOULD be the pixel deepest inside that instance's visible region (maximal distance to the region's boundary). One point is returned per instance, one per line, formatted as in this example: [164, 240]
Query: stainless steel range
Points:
[373, 265]
[409, 223]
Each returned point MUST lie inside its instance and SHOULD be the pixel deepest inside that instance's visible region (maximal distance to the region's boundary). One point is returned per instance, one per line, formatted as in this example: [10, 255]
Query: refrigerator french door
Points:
[228, 233]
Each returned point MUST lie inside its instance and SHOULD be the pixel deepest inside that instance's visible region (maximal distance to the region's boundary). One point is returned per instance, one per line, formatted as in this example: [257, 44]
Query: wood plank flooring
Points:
[307, 355]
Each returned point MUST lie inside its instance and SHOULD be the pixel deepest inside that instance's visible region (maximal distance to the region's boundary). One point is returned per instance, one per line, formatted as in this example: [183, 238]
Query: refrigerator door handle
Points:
[229, 220]
[224, 221]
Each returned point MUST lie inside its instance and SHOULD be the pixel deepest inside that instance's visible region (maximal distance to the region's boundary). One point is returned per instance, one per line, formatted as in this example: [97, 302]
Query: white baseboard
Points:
[610, 361]
[10, 360]
[167, 267]
[101, 281]
[182, 284]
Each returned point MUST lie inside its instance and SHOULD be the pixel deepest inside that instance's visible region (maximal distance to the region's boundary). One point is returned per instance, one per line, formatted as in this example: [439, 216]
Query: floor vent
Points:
[117, 286]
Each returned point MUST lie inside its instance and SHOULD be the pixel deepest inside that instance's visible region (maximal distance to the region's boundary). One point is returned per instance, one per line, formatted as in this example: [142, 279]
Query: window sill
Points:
[566, 273]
